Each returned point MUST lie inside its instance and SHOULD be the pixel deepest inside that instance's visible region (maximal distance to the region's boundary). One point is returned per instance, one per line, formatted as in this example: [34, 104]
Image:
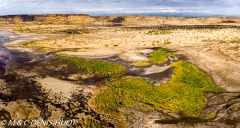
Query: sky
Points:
[109, 7]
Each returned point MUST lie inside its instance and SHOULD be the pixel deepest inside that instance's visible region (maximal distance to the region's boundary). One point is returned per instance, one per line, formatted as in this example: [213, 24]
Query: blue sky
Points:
[95, 7]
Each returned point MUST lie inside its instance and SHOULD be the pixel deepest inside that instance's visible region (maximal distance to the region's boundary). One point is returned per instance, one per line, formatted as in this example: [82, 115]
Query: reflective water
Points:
[4, 53]
[4, 36]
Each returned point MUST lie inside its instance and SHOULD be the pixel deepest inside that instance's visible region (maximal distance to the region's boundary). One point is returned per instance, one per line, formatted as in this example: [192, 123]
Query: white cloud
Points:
[119, 6]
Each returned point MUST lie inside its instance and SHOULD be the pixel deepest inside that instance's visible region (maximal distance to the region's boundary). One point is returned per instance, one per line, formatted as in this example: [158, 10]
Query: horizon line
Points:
[134, 14]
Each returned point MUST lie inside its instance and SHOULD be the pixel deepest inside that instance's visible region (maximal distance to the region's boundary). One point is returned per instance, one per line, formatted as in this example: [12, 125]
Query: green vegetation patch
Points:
[100, 68]
[160, 56]
[183, 93]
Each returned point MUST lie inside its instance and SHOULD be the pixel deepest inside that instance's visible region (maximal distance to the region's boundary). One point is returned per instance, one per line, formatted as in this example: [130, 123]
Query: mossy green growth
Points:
[189, 83]
[123, 92]
[100, 68]
[183, 93]
[160, 56]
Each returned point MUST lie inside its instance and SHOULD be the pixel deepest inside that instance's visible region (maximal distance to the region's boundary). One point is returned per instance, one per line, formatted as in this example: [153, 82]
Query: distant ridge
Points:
[44, 15]
[85, 19]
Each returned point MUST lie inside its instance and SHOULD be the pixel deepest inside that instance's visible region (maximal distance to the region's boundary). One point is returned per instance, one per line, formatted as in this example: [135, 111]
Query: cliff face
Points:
[70, 19]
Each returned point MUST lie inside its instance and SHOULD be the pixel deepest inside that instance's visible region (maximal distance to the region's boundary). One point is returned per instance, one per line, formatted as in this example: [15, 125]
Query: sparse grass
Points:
[183, 93]
[160, 56]
[100, 68]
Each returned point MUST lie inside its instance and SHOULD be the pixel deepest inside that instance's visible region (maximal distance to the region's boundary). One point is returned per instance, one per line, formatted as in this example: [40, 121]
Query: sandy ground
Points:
[62, 90]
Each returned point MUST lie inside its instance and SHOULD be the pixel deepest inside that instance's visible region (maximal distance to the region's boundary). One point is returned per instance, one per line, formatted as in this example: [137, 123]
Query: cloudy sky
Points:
[101, 7]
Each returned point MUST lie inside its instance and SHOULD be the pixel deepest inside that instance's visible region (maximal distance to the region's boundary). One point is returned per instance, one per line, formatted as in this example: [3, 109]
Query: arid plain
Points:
[156, 54]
